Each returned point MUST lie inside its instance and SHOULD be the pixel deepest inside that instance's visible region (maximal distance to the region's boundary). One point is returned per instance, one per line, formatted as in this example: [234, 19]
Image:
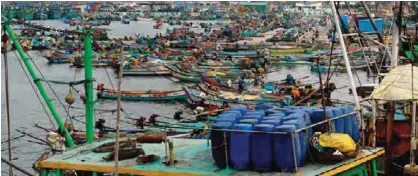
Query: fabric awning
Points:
[397, 85]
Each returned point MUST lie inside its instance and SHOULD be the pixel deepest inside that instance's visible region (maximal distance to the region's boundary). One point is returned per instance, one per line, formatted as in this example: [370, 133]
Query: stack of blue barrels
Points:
[262, 151]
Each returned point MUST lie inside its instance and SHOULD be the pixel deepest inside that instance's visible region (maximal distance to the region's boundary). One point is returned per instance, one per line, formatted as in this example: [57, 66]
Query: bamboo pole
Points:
[6, 80]
[118, 116]
[413, 132]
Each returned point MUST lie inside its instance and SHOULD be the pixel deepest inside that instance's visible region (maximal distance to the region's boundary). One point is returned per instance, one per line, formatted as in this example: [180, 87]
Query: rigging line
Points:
[36, 93]
[361, 45]
[16, 167]
[110, 80]
[330, 58]
[49, 85]
[6, 75]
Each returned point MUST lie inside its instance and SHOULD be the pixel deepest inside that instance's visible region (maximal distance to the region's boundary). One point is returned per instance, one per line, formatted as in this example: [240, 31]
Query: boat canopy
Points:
[398, 84]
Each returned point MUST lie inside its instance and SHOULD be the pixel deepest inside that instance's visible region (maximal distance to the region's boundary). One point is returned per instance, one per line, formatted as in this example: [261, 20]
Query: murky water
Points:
[26, 110]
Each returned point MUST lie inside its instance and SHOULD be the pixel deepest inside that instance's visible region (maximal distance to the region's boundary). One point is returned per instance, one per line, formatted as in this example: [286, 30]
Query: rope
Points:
[71, 83]
[33, 87]
[49, 85]
[6, 75]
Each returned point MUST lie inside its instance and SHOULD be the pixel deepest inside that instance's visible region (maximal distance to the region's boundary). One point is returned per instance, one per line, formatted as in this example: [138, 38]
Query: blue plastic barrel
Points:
[267, 112]
[318, 116]
[255, 112]
[218, 146]
[348, 124]
[235, 112]
[306, 117]
[286, 111]
[263, 107]
[355, 132]
[275, 122]
[339, 123]
[272, 118]
[231, 119]
[281, 114]
[303, 140]
[253, 116]
[237, 116]
[240, 147]
[283, 149]
[249, 121]
[262, 148]
[241, 108]
[240, 113]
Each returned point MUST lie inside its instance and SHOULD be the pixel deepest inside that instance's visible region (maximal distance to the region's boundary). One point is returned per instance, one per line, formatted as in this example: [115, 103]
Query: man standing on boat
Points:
[241, 84]
[177, 115]
[290, 80]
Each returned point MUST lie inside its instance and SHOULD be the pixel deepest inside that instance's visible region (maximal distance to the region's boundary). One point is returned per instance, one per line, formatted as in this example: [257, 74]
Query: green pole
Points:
[25, 58]
[88, 74]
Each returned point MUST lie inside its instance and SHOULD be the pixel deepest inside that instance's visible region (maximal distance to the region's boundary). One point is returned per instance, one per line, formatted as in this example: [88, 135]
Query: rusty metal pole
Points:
[389, 135]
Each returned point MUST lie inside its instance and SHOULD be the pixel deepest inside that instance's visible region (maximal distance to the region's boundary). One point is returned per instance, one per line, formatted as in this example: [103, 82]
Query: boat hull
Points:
[179, 95]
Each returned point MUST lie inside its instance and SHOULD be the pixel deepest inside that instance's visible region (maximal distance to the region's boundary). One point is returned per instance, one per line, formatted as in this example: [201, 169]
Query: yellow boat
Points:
[290, 50]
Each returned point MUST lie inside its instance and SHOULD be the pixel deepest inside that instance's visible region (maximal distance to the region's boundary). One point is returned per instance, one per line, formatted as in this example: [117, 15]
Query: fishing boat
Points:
[190, 76]
[138, 95]
[60, 59]
[291, 50]
[146, 71]
[54, 13]
[41, 15]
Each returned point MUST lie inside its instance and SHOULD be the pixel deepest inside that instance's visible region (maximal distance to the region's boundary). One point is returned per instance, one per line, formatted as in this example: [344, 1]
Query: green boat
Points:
[11, 13]
[195, 77]
[54, 14]
[410, 51]
[182, 76]
[144, 95]
[28, 16]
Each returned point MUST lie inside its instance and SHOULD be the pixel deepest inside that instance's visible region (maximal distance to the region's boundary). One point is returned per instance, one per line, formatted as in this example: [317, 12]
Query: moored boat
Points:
[139, 95]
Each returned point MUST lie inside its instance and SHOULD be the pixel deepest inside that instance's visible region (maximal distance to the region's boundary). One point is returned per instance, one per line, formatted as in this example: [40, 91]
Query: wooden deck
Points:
[194, 158]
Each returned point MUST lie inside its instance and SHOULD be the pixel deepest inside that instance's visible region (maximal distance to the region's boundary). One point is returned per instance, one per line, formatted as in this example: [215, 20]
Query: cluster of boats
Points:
[252, 124]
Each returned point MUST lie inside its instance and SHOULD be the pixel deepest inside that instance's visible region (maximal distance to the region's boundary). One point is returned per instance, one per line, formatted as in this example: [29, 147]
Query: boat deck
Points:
[193, 155]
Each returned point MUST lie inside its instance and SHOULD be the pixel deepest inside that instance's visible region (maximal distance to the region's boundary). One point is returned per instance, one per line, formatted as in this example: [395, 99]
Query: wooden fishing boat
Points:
[239, 54]
[216, 97]
[139, 95]
[291, 62]
[293, 50]
[182, 75]
[60, 60]
[153, 71]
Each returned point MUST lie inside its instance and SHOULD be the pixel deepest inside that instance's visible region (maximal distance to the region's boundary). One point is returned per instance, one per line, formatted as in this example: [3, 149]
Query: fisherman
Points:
[100, 125]
[256, 81]
[140, 122]
[177, 115]
[153, 119]
[241, 84]
[225, 105]
[229, 83]
[266, 52]
[295, 94]
[290, 80]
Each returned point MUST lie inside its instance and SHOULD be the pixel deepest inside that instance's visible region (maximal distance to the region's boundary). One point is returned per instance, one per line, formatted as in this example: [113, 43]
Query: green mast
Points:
[69, 141]
[88, 74]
